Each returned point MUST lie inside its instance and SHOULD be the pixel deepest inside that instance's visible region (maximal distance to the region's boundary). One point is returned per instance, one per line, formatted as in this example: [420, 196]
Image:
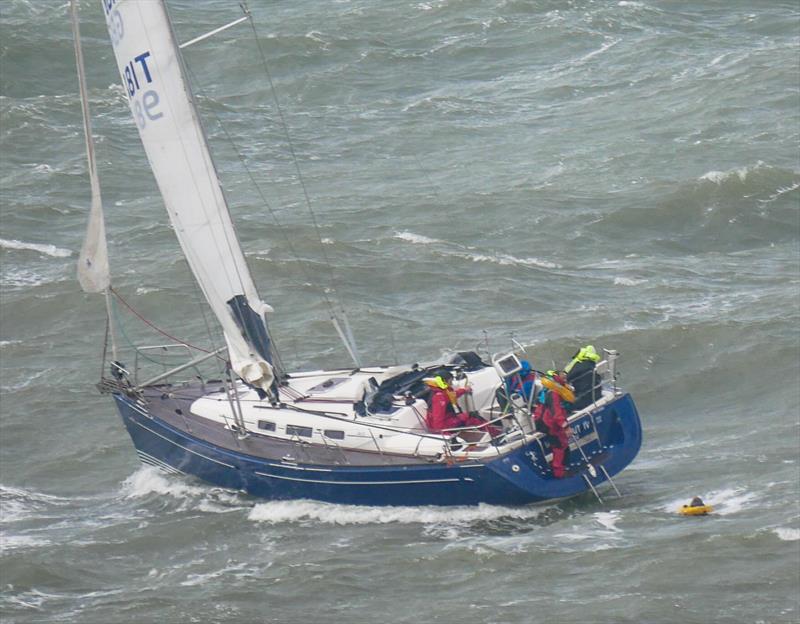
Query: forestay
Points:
[164, 112]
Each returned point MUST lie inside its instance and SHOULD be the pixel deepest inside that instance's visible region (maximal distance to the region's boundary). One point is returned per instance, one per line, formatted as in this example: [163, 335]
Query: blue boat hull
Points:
[517, 478]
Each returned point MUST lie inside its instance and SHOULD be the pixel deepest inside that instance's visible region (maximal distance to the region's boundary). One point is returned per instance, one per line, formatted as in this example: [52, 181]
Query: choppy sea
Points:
[553, 172]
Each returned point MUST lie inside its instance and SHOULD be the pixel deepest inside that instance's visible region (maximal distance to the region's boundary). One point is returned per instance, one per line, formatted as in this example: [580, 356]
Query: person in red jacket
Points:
[444, 412]
[550, 416]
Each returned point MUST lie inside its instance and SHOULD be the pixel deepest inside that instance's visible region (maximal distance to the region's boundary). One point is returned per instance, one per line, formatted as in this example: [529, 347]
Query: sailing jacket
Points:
[442, 414]
[552, 415]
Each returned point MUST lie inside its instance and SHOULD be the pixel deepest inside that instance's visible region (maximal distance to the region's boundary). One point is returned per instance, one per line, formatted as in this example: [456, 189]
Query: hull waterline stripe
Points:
[272, 476]
[216, 461]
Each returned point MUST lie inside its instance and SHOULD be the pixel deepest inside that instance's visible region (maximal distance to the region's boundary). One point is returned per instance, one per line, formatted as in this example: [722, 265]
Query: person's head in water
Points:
[697, 502]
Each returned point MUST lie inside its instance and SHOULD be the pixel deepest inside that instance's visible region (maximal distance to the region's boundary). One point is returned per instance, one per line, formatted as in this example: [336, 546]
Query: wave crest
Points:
[48, 250]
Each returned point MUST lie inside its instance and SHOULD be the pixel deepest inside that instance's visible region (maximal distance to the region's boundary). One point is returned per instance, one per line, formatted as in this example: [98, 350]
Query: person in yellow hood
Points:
[444, 412]
[581, 376]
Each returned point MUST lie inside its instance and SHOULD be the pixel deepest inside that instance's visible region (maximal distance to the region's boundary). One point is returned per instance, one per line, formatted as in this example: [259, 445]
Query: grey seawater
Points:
[620, 172]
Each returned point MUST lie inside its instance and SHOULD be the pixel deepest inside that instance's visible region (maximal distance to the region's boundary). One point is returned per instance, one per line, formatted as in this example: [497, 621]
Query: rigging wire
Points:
[330, 304]
[301, 180]
[153, 326]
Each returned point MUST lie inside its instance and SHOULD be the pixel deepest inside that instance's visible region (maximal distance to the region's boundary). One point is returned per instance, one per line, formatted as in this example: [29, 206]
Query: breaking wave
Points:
[148, 481]
[48, 250]
[787, 535]
[471, 254]
[417, 239]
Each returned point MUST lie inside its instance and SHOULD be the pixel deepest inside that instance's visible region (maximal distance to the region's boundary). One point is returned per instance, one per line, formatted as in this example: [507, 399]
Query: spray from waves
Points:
[147, 481]
[468, 253]
[48, 250]
[278, 512]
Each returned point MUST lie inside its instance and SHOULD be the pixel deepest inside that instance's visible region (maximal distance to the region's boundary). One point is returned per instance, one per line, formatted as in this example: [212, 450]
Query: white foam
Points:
[506, 259]
[599, 50]
[608, 520]
[22, 277]
[718, 177]
[496, 258]
[781, 191]
[628, 281]
[275, 512]
[18, 504]
[149, 480]
[48, 250]
[417, 239]
[200, 579]
[17, 542]
[787, 535]
[27, 381]
[725, 502]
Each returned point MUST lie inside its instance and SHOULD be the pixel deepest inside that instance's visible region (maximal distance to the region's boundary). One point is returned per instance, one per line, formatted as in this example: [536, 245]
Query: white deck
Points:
[318, 408]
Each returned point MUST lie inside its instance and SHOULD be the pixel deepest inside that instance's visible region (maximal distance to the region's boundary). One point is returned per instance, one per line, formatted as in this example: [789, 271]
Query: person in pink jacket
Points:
[550, 416]
[444, 413]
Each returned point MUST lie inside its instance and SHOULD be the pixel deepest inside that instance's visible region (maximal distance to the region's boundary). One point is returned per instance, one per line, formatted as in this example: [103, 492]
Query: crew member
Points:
[551, 417]
[580, 375]
[444, 413]
[522, 382]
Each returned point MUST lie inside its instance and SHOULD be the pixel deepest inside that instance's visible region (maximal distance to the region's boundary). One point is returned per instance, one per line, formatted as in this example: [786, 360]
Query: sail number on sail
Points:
[136, 75]
[144, 106]
[116, 27]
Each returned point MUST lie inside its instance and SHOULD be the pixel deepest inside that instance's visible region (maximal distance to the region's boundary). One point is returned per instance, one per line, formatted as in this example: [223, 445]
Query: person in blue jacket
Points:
[521, 382]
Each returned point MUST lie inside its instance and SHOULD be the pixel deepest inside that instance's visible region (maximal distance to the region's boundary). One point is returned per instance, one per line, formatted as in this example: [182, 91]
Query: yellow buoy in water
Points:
[696, 508]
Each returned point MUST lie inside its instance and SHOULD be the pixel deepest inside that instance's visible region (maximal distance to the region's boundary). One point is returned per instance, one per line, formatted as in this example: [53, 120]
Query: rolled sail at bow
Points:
[169, 126]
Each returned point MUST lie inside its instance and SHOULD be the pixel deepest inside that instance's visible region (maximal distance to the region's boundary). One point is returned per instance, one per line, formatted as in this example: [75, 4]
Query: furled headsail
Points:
[93, 271]
[164, 112]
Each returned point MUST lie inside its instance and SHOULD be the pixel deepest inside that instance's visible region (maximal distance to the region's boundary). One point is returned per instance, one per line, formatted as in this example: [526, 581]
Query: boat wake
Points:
[277, 512]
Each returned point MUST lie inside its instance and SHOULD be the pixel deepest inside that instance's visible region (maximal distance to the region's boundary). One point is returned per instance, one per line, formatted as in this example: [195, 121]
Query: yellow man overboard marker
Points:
[696, 508]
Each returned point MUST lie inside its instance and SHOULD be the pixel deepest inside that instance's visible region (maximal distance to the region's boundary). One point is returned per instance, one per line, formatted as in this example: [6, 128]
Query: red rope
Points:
[149, 324]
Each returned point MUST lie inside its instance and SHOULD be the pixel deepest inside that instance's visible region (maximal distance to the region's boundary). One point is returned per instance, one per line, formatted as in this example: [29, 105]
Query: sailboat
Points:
[353, 435]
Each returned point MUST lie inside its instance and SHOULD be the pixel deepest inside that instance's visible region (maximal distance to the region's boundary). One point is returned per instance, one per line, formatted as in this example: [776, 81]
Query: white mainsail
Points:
[164, 112]
[93, 272]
